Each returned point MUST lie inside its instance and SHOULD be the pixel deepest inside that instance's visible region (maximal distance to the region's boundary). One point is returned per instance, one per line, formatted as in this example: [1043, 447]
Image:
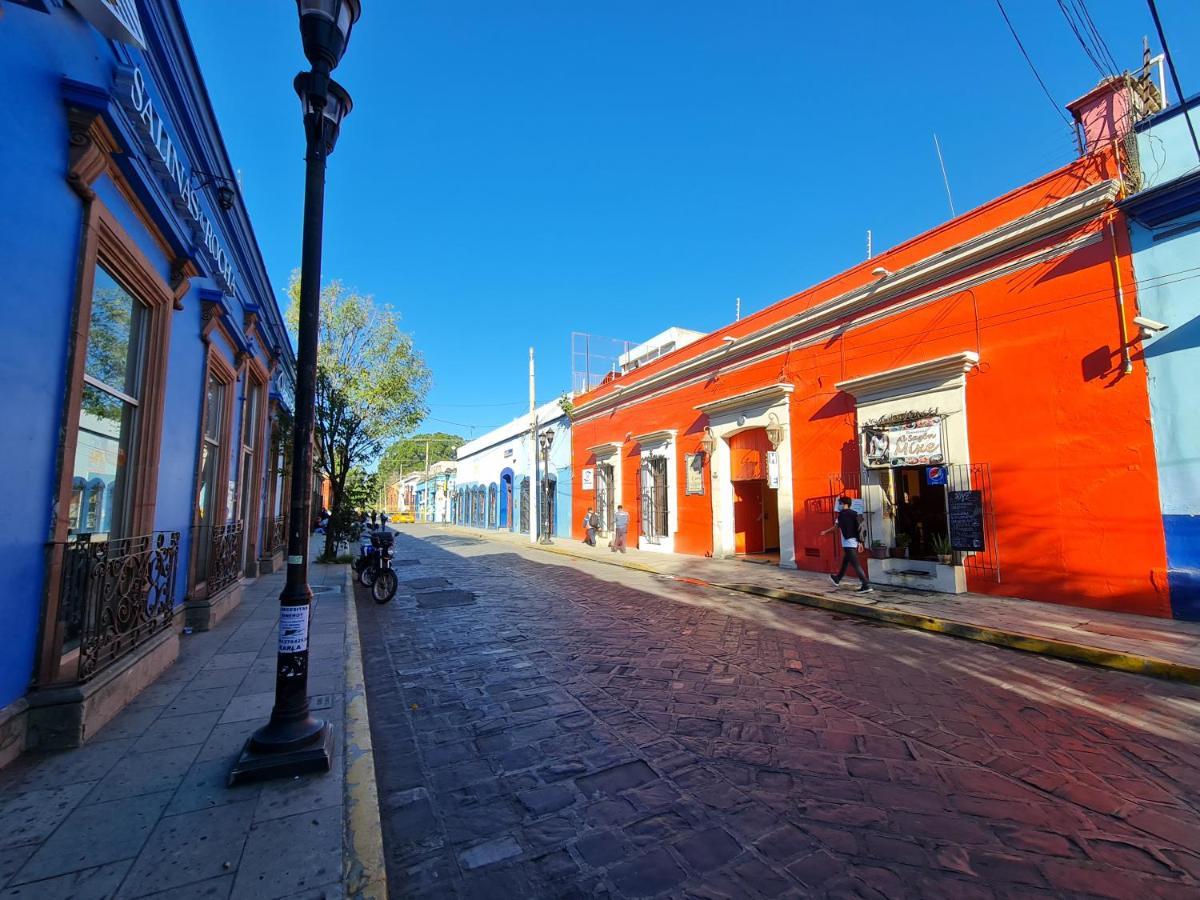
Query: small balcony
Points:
[115, 596]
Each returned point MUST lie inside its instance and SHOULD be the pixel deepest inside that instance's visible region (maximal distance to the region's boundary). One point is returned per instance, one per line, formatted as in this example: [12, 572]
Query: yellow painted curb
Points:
[363, 871]
[1096, 656]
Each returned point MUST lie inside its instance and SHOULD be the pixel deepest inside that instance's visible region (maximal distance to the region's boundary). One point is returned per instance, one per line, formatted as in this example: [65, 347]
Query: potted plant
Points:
[900, 551]
[941, 546]
[878, 550]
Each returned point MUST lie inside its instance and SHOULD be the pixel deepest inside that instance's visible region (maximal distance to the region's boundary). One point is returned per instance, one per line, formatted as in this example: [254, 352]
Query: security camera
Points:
[1149, 324]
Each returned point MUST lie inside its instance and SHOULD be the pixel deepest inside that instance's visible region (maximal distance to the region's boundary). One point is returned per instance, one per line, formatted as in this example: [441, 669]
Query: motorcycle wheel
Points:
[384, 587]
[367, 576]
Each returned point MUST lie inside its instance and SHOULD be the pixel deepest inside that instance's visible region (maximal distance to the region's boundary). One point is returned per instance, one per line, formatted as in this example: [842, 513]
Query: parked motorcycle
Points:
[376, 566]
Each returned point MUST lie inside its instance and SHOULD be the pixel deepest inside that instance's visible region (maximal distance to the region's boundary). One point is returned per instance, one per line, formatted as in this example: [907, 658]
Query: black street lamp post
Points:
[545, 440]
[293, 741]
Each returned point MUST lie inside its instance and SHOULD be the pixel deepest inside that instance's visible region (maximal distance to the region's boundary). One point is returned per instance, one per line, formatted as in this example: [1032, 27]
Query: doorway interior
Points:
[755, 502]
[920, 510]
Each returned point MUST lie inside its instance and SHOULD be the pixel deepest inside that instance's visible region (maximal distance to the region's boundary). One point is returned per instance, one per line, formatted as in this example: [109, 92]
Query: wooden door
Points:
[747, 517]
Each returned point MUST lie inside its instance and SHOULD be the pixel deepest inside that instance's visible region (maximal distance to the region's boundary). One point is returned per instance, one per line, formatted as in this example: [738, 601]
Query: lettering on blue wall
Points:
[179, 174]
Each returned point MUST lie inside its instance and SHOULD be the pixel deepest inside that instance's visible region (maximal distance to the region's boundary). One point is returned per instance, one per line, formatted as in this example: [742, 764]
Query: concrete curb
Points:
[363, 871]
[1058, 649]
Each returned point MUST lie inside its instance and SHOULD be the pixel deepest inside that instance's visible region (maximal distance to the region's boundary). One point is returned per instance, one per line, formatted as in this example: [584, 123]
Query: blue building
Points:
[147, 372]
[1164, 224]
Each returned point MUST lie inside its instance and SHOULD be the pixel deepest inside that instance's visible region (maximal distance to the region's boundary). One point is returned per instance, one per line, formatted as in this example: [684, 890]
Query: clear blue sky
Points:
[516, 171]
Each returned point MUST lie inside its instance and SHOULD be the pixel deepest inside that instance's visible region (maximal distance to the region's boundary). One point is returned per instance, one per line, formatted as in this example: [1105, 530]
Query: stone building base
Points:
[14, 720]
[204, 613]
[59, 718]
[269, 564]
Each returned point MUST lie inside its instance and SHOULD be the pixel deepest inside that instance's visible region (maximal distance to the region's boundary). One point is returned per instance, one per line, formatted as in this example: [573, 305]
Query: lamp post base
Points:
[256, 764]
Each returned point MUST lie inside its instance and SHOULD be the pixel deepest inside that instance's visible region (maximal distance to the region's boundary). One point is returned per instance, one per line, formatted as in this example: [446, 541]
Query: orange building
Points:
[978, 390]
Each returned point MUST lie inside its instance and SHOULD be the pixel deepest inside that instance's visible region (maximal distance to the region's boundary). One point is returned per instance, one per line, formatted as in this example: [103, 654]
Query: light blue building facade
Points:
[147, 373]
[494, 486]
[1164, 224]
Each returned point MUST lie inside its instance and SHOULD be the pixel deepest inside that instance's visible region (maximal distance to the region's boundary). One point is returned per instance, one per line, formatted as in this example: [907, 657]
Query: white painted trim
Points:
[651, 438]
[943, 369]
[1062, 214]
[770, 394]
[602, 451]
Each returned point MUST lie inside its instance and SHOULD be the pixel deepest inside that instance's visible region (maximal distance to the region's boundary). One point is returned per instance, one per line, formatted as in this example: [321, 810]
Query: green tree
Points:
[408, 454]
[371, 383]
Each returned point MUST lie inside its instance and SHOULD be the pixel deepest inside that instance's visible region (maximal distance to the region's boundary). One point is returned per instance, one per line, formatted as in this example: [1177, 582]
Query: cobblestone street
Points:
[549, 728]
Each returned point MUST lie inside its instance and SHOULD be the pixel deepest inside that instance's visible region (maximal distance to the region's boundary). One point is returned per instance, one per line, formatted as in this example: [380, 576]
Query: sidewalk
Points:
[143, 807]
[1162, 648]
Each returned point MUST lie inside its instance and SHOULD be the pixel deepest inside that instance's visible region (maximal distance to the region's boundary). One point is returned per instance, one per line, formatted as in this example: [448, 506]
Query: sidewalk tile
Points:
[95, 835]
[190, 847]
[205, 786]
[248, 708]
[200, 700]
[145, 773]
[286, 856]
[177, 731]
[31, 817]
[99, 883]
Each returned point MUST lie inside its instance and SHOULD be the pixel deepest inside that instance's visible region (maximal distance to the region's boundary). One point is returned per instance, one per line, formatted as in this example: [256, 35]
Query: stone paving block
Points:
[191, 847]
[785, 844]
[144, 773]
[547, 799]
[707, 850]
[199, 700]
[489, 853]
[36, 771]
[249, 708]
[131, 722]
[283, 857]
[205, 786]
[616, 779]
[647, 875]
[94, 836]
[177, 731]
[31, 817]
[97, 883]
[300, 793]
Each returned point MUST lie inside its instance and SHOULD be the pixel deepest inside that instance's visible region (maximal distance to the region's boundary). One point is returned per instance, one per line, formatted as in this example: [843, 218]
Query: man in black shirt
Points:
[849, 526]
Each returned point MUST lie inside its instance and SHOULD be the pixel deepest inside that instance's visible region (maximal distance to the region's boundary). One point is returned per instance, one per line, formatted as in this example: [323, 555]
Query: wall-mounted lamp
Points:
[881, 272]
[774, 431]
[225, 186]
[708, 442]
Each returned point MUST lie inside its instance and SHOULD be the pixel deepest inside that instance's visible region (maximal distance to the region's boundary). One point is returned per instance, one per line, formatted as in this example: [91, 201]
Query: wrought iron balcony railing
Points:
[116, 594]
[224, 556]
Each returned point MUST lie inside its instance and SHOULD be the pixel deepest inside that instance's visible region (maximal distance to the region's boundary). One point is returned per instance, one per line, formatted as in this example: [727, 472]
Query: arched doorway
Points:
[755, 502]
[506, 499]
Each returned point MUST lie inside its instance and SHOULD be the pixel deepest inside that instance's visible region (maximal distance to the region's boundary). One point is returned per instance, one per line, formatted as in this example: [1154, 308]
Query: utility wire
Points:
[1079, 37]
[1032, 67]
[1162, 39]
[1100, 42]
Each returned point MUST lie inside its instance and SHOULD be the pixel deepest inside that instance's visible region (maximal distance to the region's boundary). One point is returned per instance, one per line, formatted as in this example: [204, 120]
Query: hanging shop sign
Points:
[179, 179]
[693, 467]
[915, 443]
[935, 475]
[964, 510]
[772, 468]
[589, 479]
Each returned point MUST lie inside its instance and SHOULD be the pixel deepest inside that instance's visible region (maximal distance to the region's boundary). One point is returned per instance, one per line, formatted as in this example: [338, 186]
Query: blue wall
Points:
[1165, 236]
[41, 224]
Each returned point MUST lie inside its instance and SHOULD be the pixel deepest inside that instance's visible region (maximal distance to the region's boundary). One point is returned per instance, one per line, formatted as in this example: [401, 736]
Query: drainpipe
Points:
[1126, 359]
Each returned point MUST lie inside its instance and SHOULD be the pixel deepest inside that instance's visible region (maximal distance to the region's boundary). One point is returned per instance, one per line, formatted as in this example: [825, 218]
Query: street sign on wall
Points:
[589, 478]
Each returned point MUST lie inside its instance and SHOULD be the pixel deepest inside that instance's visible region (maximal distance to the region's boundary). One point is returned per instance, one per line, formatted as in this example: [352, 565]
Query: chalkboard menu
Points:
[966, 519]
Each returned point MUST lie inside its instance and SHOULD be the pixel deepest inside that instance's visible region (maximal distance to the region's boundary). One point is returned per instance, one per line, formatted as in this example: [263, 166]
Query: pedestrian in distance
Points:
[589, 527]
[620, 529]
[849, 526]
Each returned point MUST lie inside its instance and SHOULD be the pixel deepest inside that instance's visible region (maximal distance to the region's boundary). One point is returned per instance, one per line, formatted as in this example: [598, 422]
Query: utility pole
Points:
[534, 511]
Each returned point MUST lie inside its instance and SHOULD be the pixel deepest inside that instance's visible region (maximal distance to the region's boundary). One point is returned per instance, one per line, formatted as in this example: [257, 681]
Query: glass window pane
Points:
[250, 423]
[113, 335]
[102, 457]
[214, 410]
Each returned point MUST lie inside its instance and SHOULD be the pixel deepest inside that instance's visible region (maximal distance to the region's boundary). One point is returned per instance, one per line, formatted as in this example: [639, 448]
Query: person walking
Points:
[849, 526]
[590, 521]
[620, 529]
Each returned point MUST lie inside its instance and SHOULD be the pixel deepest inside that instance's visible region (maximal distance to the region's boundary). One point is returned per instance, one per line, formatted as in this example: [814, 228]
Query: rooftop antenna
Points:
[868, 243]
[738, 312]
[945, 180]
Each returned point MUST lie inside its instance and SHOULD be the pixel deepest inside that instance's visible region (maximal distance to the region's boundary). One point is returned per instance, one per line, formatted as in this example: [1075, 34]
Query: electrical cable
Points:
[1032, 67]
[1079, 37]
[1100, 41]
[1162, 39]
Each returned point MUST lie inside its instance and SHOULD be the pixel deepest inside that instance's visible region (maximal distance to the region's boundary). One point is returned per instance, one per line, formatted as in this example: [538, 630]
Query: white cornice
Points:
[602, 450]
[655, 437]
[757, 397]
[1062, 214]
[944, 368]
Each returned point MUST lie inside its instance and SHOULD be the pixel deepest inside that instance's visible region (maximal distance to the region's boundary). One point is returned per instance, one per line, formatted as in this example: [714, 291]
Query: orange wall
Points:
[1066, 435]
